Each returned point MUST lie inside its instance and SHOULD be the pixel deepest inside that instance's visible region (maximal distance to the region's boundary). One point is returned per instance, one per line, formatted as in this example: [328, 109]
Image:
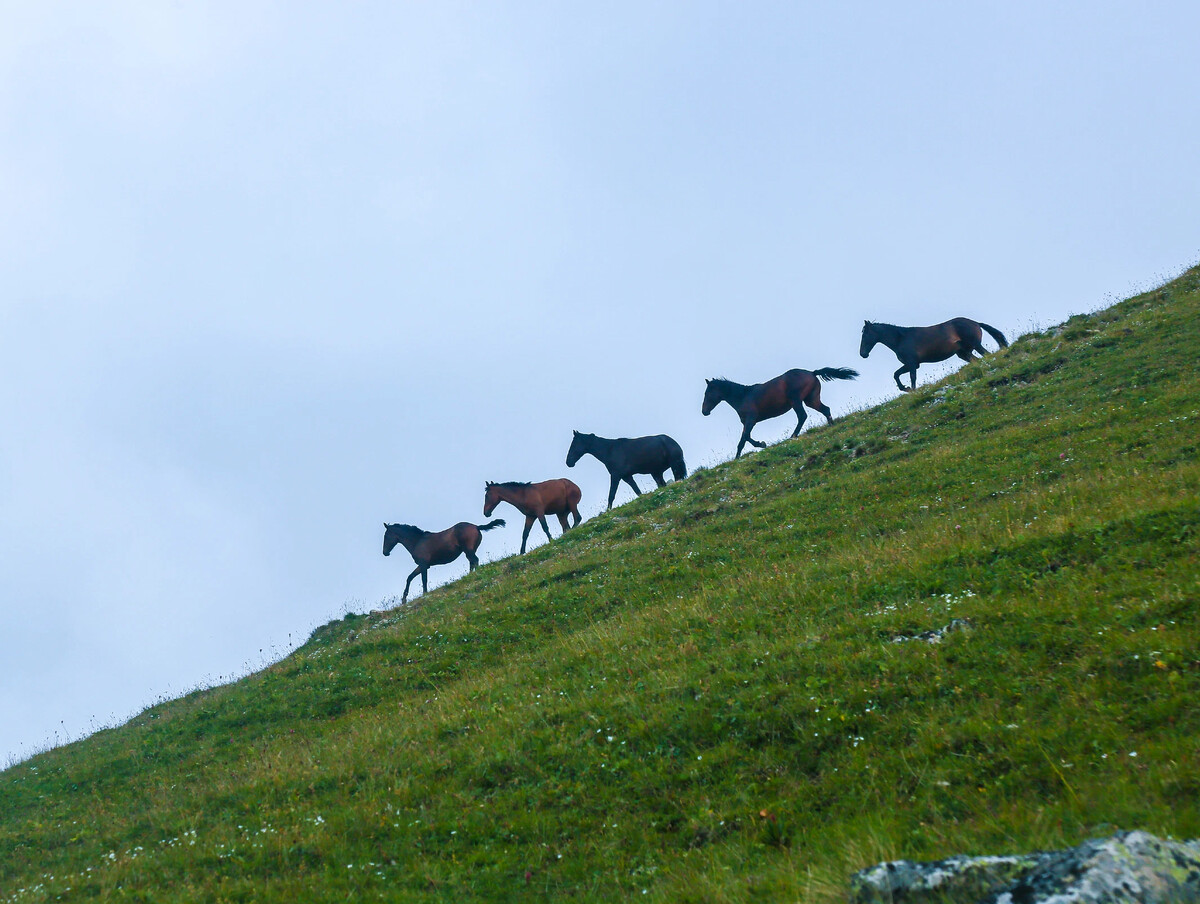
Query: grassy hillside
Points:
[699, 697]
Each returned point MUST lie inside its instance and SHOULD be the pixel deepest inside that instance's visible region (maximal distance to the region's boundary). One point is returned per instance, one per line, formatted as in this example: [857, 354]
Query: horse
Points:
[438, 548]
[535, 501]
[652, 455]
[789, 391]
[915, 345]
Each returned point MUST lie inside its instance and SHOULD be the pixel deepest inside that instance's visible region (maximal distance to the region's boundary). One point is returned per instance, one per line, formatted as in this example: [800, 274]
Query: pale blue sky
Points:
[272, 274]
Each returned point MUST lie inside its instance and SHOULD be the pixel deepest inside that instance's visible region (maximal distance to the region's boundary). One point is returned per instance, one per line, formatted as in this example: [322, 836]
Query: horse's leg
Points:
[613, 482]
[747, 426]
[525, 533]
[801, 417]
[896, 377]
[658, 478]
[629, 480]
[472, 560]
[542, 522]
[416, 571]
[913, 375]
[813, 401]
[562, 520]
[575, 515]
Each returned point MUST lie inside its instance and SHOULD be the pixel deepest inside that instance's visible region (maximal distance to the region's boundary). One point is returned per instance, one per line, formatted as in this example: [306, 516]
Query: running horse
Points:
[653, 455]
[916, 345]
[535, 501]
[790, 391]
[438, 548]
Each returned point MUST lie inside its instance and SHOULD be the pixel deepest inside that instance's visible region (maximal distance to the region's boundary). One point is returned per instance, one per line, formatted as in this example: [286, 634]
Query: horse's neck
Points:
[733, 393]
[889, 334]
[511, 495]
[410, 538]
[601, 448]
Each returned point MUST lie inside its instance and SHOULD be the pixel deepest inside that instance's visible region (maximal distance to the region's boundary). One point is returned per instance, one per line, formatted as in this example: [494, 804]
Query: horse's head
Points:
[869, 338]
[391, 536]
[491, 499]
[579, 446]
[712, 397]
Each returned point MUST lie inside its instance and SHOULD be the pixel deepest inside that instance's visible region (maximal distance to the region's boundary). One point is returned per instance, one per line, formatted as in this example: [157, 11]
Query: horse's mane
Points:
[510, 484]
[407, 528]
[725, 382]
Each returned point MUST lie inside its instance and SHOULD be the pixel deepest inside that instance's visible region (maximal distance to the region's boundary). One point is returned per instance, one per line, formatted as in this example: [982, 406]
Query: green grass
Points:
[698, 696]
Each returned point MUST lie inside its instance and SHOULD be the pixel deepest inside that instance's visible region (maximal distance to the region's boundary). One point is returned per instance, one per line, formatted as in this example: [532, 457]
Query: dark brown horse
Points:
[653, 455]
[915, 345]
[435, 549]
[535, 501]
[787, 392]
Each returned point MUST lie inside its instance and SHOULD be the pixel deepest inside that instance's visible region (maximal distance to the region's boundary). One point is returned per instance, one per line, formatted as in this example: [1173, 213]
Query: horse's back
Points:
[558, 493]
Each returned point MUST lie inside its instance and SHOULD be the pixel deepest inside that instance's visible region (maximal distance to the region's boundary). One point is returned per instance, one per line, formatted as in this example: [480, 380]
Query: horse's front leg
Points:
[747, 426]
[416, 571]
[545, 527]
[613, 482]
[896, 377]
[424, 580]
[525, 533]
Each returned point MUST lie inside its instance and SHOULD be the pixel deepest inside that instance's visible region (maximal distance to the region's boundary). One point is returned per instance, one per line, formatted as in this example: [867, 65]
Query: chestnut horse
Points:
[535, 501]
[915, 345]
[435, 549]
[652, 455]
[790, 391]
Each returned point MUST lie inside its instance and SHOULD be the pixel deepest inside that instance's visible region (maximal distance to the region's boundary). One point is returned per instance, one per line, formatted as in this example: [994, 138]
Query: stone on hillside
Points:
[1128, 868]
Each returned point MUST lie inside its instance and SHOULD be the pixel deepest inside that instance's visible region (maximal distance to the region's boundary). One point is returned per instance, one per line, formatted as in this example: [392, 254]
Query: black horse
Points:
[653, 455]
[790, 391]
[436, 548]
[915, 345]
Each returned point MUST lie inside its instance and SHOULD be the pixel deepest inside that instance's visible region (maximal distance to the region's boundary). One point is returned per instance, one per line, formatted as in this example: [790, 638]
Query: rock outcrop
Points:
[1127, 868]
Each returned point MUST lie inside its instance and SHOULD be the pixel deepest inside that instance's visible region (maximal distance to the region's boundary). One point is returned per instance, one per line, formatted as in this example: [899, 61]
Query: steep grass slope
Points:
[700, 696]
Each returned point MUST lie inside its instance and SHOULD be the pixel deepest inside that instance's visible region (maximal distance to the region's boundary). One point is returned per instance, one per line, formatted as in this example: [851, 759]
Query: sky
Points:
[272, 274]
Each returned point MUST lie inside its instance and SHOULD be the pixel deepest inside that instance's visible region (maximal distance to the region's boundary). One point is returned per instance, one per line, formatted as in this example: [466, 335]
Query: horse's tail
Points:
[678, 466]
[995, 334]
[835, 373]
[496, 522]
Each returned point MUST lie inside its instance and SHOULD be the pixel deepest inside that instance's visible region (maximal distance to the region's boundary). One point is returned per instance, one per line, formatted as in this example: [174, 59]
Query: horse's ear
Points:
[575, 432]
[707, 381]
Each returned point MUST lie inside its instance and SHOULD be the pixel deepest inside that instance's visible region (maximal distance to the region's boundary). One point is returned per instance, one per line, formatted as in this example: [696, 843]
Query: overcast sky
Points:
[274, 273]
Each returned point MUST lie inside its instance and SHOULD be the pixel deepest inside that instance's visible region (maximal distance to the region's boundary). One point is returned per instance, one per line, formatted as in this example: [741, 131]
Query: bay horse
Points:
[915, 345]
[653, 455]
[535, 501]
[789, 391]
[438, 548]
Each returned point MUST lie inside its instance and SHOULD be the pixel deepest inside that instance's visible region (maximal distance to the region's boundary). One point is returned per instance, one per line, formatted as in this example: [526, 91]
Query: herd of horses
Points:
[656, 455]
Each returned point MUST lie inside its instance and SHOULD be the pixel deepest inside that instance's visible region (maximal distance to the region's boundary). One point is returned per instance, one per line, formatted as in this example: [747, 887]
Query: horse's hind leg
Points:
[472, 561]
[801, 417]
[633, 484]
[658, 478]
[562, 519]
[574, 515]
